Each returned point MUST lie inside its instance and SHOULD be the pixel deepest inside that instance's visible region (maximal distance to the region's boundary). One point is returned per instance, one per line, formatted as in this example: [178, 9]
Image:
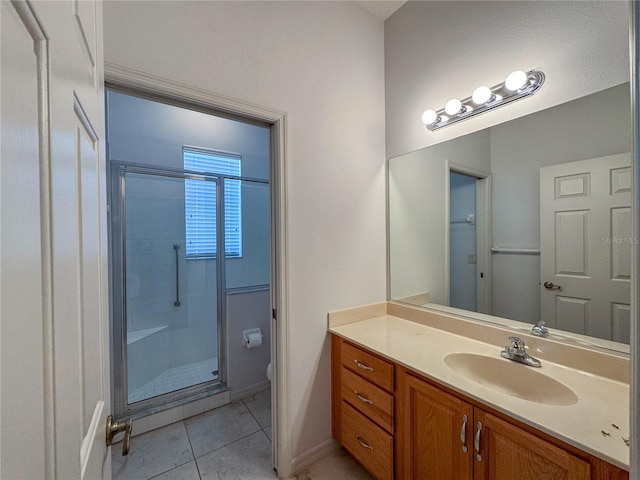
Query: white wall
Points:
[322, 63]
[417, 213]
[438, 50]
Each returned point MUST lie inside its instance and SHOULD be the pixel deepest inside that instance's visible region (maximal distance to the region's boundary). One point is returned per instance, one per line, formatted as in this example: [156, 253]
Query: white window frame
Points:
[216, 163]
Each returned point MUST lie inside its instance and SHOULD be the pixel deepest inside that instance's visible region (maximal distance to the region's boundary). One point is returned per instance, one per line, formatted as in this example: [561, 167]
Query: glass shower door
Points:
[170, 312]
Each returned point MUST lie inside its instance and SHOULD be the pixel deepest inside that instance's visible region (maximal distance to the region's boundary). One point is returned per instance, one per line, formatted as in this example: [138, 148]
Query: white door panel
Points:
[585, 234]
[21, 292]
[68, 224]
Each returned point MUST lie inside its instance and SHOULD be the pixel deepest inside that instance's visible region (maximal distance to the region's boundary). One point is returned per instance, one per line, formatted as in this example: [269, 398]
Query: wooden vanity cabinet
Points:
[409, 428]
[434, 433]
[505, 449]
[431, 429]
[363, 406]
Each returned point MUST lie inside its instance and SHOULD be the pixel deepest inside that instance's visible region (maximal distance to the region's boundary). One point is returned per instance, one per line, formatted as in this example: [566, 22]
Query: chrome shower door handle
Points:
[176, 247]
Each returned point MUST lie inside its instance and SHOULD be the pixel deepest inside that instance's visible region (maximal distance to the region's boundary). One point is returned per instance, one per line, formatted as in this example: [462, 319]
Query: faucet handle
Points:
[517, 343]
[539, 329]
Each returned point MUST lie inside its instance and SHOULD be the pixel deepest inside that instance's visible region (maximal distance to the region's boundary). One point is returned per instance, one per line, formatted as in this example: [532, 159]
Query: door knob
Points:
[113, 428]
[551, 286]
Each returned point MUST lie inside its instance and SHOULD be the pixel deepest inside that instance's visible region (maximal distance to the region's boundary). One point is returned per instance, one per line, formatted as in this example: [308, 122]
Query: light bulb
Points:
[453, 106]
[516, 80]
[481, 95]
[429, 117]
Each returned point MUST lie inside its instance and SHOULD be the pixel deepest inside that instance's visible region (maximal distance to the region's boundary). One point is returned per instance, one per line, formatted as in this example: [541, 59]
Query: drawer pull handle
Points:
[364, 367]
[463, 434]
[364, 399]
[476, 442]
[365, 445]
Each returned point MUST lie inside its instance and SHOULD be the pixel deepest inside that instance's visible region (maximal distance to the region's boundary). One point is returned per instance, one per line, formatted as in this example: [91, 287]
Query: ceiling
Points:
[381, 9]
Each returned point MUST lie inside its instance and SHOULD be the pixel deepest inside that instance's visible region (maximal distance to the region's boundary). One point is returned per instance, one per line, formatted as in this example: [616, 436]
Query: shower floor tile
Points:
[176, 378]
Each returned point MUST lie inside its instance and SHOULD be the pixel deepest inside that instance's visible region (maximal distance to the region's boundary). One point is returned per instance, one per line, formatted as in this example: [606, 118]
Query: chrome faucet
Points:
[539, 329]
[516, 352]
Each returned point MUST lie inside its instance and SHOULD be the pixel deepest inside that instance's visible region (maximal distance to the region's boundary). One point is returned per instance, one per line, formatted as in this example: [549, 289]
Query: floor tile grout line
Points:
[254, 417]
[193, 454]
[230, 443]
[250, 412]
[171, 469]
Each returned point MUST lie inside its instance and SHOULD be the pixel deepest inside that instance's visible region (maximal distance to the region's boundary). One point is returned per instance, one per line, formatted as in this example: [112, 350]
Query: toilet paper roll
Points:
[253, 340]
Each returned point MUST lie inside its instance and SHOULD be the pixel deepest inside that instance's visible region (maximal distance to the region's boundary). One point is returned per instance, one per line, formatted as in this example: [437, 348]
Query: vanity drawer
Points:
[367, 442]
[374, 402]
[374, 369]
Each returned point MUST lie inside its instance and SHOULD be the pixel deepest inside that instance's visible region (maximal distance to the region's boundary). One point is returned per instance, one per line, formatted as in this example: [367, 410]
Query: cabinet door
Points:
[508, 452]
[433, 439]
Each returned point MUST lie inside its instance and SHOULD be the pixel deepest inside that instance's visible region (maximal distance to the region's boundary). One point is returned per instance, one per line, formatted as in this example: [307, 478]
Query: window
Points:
[200, 203]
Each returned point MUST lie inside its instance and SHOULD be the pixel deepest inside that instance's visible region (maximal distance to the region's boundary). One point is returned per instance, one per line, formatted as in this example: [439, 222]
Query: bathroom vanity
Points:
[424, 395]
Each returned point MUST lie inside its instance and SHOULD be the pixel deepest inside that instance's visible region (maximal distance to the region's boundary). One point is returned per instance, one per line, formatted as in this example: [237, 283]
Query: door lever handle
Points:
[551, 286]
[113, 428]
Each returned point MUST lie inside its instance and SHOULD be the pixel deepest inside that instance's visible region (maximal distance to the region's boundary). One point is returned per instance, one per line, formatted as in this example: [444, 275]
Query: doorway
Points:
[468, 232]
[178, 177]
[462, 242]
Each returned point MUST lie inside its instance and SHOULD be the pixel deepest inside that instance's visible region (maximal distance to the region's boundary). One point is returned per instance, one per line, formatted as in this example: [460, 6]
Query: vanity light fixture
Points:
[517, 85]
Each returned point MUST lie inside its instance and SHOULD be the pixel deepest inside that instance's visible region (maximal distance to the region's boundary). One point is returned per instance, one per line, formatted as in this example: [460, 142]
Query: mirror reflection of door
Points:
[586, 242]
[462, 241]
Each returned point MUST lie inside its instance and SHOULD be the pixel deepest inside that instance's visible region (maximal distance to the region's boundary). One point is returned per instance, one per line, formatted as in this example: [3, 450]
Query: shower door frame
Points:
[122, 409]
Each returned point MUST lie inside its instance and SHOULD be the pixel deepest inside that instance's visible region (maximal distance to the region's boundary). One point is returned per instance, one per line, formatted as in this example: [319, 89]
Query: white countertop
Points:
[602, 402]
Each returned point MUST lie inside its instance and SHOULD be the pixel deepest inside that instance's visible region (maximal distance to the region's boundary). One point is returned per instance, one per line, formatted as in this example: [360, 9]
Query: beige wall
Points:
[322, 63]
[438, 50]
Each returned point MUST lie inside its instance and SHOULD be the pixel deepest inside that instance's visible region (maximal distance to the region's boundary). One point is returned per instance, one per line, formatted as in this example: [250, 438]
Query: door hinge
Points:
[274, 314]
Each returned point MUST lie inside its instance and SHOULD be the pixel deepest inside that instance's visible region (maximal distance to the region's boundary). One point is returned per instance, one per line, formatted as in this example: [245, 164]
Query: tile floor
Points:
[231, 442]
[176, 378]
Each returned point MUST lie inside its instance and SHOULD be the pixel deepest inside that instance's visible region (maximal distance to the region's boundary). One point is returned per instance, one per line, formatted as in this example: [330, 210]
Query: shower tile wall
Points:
[162, 336]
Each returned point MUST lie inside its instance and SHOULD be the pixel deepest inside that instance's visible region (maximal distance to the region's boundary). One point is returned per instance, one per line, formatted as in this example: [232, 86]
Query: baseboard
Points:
[310, 457]
[251, 390]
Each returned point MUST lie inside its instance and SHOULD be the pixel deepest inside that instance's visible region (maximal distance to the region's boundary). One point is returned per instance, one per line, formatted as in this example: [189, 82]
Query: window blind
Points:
[200, 204]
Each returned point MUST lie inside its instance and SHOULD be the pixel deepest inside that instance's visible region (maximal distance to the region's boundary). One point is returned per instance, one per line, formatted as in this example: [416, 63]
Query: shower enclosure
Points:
[169, 288]
[167, 308]
[189, 205]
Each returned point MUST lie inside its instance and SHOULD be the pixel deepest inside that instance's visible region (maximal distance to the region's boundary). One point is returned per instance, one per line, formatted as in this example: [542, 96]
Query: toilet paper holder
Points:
[252, 338]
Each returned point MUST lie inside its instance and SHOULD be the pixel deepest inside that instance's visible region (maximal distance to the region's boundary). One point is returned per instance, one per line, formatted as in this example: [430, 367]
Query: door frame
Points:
[634, 44]
[195, 97]
[483, 233]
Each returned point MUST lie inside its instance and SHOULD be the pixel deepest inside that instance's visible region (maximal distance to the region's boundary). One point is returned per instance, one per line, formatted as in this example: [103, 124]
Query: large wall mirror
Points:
[527, 220]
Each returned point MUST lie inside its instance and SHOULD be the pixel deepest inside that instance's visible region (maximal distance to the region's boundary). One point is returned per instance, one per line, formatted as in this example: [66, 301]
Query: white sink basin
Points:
[512, 378]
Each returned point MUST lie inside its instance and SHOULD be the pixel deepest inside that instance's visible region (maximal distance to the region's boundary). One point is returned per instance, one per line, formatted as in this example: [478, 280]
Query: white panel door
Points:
[53, 251]
[586, 242]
